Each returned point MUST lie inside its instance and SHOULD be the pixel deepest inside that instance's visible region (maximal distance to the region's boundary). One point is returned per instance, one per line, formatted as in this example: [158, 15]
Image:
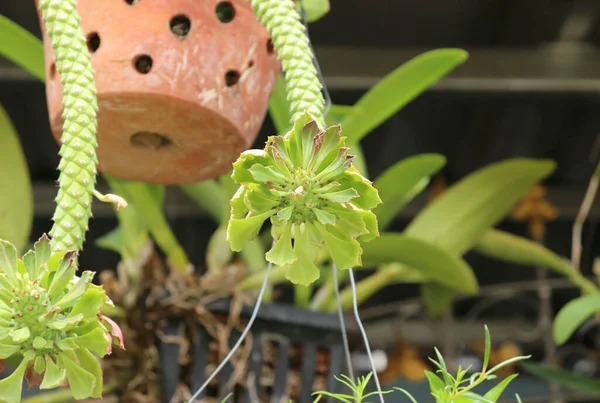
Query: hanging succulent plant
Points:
[52, 320]
[306, 184]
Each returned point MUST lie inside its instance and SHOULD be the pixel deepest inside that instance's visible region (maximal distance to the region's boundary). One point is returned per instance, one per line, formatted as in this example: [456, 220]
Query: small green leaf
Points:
[282, 253]
[96, 341]
[241, 168]
[76, 290]
[434, 262]
[487, 349]
[572, 315]
[8, 350]
[507, 362]
[22, 48]
[64, 274]
[91, 364]
[241, 230]
[39, 342]
[66, 344]
[576, 382]
[11, 387]
[8, 259]
[494, 393]
[344, 251]
[39, 365]
[89, 304]
[435, 383]
[20, 335]
[303, 271]
[400, 183]
[342, 196]
[54, 376]
[313, 9]
[81, 382]
[67, 323]
[398, 88]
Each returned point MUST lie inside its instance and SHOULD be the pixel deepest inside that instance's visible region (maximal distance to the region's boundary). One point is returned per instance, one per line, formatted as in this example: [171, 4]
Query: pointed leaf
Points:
[572, 315]
[494, 393]
[76, 292]
[435, 383]
[433, 261]
[398, 88]
[64, 274]
[400, 183]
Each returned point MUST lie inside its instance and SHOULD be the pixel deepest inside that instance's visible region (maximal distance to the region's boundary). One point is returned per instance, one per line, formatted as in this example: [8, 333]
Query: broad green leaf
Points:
[313, 9]
[11, 387]
[434, 262]
[114, 240]
[344, 251]
[81, 382]
[16, 203]
[458, 218]
[279, 107]
[337, 114]
[494, 393]
[400, 183]
[210, 197]
[398, 88]
[7, 350]
[89, 304]
[66, 323]
[513, 248]
[22, 48]
[576, 382]
[572, 315]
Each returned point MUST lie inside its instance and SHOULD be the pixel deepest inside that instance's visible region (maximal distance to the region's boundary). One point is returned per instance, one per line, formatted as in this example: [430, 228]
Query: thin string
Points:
[242, 337]
[364, 335]
[326, 94]
[342, 324]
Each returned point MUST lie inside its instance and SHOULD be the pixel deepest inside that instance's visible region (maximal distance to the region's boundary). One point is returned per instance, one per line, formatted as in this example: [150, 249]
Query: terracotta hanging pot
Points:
[183, 85]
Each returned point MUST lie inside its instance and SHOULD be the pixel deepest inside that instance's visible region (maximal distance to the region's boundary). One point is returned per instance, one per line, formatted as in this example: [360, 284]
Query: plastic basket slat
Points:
[169, 357]
[200, 359]
[335, 367]
[281, 369]
[307, 374]
[254, 370]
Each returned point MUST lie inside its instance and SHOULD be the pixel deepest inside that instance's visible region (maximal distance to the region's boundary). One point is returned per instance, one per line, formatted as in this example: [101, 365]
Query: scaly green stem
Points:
[78, 150]
[282, 20]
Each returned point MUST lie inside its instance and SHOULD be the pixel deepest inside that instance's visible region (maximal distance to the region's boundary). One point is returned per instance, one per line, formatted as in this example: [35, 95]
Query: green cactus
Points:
[292, 45]
[78, 151]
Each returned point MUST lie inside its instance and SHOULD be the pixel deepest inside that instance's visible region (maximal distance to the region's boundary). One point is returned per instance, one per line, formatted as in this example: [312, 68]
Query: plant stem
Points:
[584, 211]
[60, 396]
[209, 196]
[302, 296]
[254, 281]
[365, 288]
[143, 200]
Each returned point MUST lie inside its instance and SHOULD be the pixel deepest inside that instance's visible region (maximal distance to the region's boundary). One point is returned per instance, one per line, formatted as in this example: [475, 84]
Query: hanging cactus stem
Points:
[78, 150]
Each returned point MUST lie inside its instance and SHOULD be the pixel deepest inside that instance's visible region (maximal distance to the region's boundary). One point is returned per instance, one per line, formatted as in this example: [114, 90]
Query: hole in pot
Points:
[132, 2]
[180, 25]
[270, 47]
[251, 64]
[52, 72]
[225, 11]
[143, 64]
[232, 77]
[93, 42]
[150, 140]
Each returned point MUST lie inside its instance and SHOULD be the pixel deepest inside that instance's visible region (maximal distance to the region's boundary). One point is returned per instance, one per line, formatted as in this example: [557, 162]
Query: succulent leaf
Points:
[53, 321]
[305, 183]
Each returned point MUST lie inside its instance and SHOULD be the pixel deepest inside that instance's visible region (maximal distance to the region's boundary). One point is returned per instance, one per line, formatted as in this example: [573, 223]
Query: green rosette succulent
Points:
[304, 182]
[50, 320]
